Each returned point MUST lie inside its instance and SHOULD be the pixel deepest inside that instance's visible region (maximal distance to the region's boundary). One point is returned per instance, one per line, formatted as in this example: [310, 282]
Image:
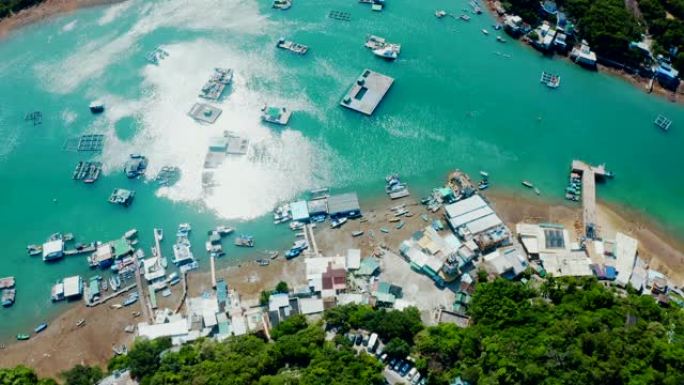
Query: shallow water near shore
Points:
[458, 102]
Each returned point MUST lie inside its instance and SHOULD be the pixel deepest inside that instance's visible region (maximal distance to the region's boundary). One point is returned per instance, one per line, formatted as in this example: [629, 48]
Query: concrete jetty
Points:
[589, 176]
[367, 92]
[141, 295]
[213, 271]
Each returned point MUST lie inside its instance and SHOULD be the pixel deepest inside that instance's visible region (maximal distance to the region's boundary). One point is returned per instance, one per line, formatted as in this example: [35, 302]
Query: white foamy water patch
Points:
[92, 59]
[69, 116]
[279, 164]
[69, 26]
[113, 12]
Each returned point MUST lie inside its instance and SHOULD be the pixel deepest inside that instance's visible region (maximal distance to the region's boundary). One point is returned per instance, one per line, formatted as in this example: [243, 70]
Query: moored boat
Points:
[23, 336]
[40, 327]
[244, 241]
[527, 184]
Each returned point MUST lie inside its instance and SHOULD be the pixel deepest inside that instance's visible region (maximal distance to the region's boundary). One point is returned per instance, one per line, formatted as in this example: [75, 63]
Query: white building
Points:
[625, 258]
[177, 330]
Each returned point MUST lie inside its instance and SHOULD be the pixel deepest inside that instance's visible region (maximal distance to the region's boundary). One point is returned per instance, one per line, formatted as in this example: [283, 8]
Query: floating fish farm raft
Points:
[339, 15]
[85, 143]
[88, 172]
[367, 92]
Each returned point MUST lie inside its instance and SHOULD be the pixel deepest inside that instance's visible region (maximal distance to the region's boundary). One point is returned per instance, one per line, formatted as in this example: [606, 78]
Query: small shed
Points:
[53, 249]
[300, 211]
[73, 287]
[318, 207]
[344, 205]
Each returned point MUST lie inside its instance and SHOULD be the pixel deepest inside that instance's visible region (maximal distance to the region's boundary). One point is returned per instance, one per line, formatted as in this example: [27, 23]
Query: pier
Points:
[311, 240]
[367, 92]
[589, 176]
[141, 295]
[184, 281]
[108, 297]
[213, 271]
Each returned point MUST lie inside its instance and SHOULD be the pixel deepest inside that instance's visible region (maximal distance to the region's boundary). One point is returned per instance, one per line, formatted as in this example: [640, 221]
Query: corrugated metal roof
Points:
[464, 206]
[300, 211]
[343, 203]
[484, 223]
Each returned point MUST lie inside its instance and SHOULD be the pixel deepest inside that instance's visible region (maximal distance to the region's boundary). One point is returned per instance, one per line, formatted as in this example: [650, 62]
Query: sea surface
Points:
[460, 100]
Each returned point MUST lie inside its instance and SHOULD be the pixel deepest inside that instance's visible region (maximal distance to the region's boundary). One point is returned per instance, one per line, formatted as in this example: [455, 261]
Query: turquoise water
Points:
[457, 102]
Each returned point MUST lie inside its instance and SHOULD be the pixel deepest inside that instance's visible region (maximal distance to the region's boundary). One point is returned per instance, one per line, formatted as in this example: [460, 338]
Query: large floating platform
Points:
[367, 92]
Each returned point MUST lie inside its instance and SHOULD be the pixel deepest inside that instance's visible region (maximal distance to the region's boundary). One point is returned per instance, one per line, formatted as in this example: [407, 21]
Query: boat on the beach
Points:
[263, 262]
[400, 225]
[131, 299]
[337, 222]
[173, 279]
[357, 233]
[23, 337]
[81, 323]
[384, 230]
[40, 327]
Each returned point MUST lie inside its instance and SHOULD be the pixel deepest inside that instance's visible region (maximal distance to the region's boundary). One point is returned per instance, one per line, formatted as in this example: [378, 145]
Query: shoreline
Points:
[64, 345]
[45, 10]
[635, 80]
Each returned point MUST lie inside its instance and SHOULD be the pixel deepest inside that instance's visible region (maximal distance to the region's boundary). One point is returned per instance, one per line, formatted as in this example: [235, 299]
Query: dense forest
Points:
[570, 331]
[609, 26]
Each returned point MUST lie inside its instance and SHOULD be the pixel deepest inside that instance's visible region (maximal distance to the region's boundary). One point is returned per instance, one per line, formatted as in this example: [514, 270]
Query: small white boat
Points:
[96, 107]
[130, 234]
[484, 174]
[484, 31]
[159, 233]
[440, 14]
[338, 222]
[389, 51]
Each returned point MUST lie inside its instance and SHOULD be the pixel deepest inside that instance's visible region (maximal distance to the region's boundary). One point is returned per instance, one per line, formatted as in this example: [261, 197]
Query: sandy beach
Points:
[45, 10]
[63, 344]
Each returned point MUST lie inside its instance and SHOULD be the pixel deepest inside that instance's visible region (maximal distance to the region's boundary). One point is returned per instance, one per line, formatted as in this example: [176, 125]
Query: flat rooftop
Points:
[367, 92]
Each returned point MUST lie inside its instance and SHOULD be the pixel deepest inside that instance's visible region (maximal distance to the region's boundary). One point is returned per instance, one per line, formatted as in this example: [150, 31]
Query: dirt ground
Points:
[63, 345]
